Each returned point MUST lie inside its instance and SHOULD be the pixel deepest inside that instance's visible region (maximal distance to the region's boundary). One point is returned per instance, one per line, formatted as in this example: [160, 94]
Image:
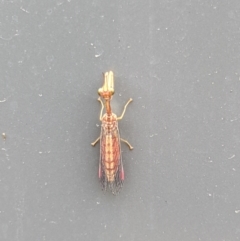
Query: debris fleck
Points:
[98, 55]
[4, 136]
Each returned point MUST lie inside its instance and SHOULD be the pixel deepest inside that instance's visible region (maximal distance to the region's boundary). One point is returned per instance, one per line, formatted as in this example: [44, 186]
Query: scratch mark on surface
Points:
[6, 39]
[20, 212]
[231, 157]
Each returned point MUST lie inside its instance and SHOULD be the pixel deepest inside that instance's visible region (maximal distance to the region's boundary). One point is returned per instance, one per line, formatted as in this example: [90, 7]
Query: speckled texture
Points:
[178, 60]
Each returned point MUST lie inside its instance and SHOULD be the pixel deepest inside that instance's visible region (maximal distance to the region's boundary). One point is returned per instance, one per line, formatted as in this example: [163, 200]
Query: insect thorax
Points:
[109, 122]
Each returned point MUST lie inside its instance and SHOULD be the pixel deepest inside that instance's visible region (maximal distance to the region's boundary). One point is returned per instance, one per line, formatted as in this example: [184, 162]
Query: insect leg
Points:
[120, 117]
[99, 99]
[95, 142]
[129, 145]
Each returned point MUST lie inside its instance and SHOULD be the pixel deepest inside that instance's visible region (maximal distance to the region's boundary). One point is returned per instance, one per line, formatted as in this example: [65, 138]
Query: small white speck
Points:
[40, 152]
[40, 95]
[209, 194]
[59, 3]
[24, 10]
[1, 101]
[45, 183]
[210, 160]
[234, 119]
[237, 211]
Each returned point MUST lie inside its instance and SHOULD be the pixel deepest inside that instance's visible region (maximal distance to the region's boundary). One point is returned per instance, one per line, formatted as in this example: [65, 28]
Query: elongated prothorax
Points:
[107, 90]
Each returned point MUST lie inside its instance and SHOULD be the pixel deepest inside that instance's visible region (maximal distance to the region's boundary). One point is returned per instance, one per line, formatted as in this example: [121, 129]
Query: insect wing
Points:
[111, 172]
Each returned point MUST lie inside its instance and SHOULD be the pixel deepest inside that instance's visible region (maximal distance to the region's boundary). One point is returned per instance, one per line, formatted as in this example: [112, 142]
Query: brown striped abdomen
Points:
[110, 147]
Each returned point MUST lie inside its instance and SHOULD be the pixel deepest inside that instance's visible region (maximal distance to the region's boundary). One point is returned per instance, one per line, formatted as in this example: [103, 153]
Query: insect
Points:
[111, 172]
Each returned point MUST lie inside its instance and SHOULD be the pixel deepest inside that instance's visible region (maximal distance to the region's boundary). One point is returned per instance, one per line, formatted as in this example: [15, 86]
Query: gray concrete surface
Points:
[178, 60]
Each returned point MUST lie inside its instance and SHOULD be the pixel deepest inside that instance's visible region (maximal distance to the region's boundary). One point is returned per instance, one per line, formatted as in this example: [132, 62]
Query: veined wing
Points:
[111, 173]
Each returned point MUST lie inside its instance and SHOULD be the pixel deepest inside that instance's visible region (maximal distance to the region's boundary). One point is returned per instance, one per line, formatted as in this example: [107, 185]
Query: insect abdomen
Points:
[110, 142]
[112, 156]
